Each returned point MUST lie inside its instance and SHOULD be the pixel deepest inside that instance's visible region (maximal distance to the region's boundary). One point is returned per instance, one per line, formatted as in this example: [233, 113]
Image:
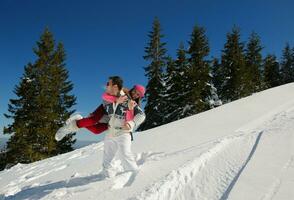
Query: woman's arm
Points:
[139, 117]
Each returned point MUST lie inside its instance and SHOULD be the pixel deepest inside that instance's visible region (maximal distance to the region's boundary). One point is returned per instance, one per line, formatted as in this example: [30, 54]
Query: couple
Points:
[120, 114]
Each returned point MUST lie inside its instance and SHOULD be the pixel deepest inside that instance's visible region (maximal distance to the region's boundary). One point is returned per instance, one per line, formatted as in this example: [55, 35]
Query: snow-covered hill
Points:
[241, 150]
[82, 143]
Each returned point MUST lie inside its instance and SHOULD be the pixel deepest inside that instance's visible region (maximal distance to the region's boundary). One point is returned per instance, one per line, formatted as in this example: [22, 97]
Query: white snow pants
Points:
[121, 145]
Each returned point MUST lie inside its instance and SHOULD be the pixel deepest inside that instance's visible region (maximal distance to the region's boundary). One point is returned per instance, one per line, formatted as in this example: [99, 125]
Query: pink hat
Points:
[140, 89]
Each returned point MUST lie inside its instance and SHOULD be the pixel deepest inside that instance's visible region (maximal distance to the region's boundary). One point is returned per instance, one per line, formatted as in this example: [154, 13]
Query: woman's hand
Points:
[132, 104]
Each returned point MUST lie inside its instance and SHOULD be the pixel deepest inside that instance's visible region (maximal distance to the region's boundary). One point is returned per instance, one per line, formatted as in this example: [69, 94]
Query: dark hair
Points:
[116, 80]
[138, 100]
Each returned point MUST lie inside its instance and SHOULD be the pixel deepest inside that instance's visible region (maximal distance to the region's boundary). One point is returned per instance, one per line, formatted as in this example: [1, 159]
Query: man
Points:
[118, 136]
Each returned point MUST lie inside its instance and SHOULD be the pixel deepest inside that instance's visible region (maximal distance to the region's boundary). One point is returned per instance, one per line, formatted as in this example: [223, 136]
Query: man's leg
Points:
[110, 149]
[126, 155]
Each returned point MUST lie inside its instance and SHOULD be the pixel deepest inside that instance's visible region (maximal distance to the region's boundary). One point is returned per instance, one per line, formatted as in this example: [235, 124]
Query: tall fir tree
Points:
[169, 92]
[176, 86]
[43, 103]
[2, 159]
[199, 78]
[155, 89]
[271, 75]
[253, 68]
[178, 89]
[233, 67]
[216, 70]
[287, 65]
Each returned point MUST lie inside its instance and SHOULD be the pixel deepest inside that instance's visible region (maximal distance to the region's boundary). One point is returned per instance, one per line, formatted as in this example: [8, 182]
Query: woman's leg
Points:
[97, 128]
[92, 119]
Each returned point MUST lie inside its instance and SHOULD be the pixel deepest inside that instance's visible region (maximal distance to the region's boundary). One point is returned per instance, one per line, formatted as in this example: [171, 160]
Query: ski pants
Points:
[120, 145]
[92, 122]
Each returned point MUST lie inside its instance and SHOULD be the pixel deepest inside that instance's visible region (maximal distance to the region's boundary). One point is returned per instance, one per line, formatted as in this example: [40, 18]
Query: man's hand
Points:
[121, 99]
[126, 126]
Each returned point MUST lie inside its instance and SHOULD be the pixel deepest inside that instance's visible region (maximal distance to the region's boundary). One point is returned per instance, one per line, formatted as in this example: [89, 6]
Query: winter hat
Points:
[140, 89]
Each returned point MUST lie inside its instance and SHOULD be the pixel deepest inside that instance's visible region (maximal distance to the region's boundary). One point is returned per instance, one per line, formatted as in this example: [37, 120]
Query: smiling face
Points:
[110, 88]
[135, 94]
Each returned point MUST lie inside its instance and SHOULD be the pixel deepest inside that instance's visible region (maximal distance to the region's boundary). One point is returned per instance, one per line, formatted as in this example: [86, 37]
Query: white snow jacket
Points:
[116, 117]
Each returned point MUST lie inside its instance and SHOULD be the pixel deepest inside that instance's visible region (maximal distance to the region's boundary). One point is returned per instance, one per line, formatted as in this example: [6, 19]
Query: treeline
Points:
[192, 83]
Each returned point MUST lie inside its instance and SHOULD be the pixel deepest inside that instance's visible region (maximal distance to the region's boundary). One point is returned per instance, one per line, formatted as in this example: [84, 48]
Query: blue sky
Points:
[104, 38]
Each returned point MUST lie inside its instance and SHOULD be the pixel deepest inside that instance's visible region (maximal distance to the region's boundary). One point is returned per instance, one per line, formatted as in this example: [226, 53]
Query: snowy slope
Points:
[82, 143]
[241, 150]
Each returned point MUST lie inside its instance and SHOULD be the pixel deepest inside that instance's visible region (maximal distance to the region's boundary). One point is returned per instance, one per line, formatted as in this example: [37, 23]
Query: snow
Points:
[82, 143]
[240, 150]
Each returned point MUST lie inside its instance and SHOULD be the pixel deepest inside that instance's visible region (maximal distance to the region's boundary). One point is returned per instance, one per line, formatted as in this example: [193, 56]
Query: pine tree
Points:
[179, 90]
[2, 159]
[43, 103]
[253, 59]
[217, 75]
[271, 72]
[199, 78]
[233, 67]
[155, 89]
[216, 82]
[287, 65]
[170, 90]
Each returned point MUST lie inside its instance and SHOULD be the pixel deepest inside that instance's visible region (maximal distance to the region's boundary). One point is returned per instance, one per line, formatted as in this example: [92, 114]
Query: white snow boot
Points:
[69, 127]
[108, 173]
